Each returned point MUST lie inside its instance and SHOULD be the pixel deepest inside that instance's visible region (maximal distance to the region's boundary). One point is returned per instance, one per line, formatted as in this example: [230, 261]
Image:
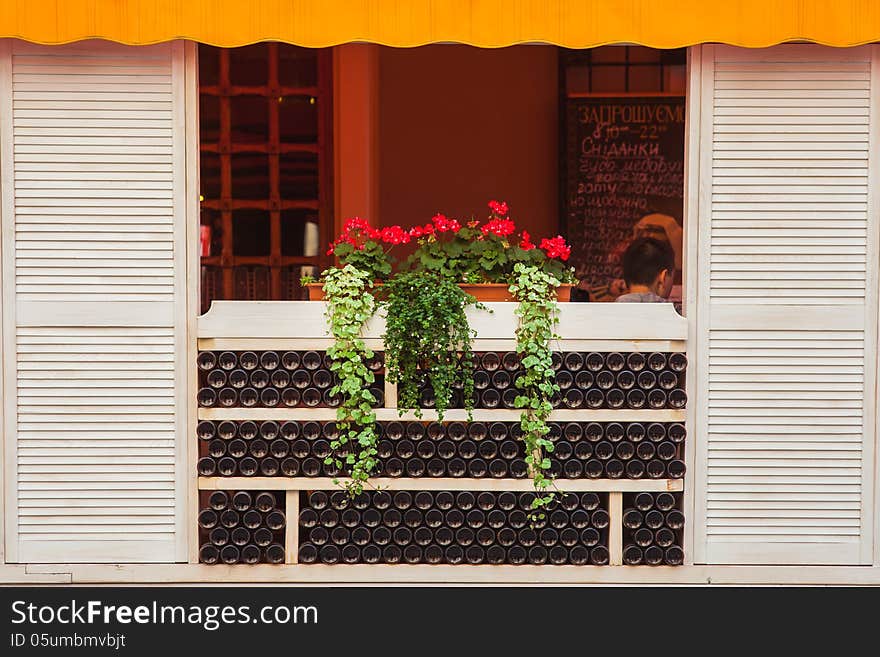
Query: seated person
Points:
[649, 271]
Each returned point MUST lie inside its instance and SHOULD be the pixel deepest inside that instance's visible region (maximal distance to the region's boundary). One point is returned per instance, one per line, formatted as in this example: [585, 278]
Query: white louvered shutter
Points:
[94, 300]
[787, 308]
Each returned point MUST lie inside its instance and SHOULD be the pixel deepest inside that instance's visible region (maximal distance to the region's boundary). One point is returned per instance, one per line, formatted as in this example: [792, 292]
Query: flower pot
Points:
[481, 291]
[316, 290]
[501, 291]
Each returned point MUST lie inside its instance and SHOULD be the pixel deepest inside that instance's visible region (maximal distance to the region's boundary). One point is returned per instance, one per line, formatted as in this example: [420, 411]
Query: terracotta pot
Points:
[501, 292]
[316, 290]
[482, 291]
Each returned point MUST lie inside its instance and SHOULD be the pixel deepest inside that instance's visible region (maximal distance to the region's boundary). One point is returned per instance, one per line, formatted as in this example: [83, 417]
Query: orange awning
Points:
[485, 23]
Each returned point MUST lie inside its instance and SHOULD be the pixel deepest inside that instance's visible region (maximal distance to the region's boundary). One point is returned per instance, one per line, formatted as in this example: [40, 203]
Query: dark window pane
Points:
[209, 118]
[251, 283]
[609, 78]
[209, 65]
[249, 66]
[608, 54]
[297, 67]
[299, 176]
[577, 79]
[644, 78]
[298, 119]
[250, 124]
[250, 233]
[642, 55]
[290, 276]
[209, 177]
[298, 232]
[250, 176]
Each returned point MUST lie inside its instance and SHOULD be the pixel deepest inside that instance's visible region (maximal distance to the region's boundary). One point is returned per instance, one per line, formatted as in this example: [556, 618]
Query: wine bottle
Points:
[206, 360]
[626, 379]
[675, 469]
[643, 537]
[206, 466]
[490, 398]
[208, 519]
[433, 554]
[664, 537]
[516, 555]
[656, 399]
[564, 379]
[653, 555]
[259, 379]
[632, 555]
[280, 379]
[594, 362]
[676, 433]
[665, 501]
[674, 556]
[537, 555]
[230, 554]
[248, 360]
[226, 466]
[219, 536]
[632, 519]
[216, 378]
[227, 360]
[209, 553]
[635, 469]
[675, 519]
[490, 361]
[653, 519]
[319, 535]
[646, 451]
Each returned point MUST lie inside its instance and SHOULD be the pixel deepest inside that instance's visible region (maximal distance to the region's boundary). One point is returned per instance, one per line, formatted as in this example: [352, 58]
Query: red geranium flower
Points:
[526, 243]
[497, 208]
[556, 248]
[499, 227]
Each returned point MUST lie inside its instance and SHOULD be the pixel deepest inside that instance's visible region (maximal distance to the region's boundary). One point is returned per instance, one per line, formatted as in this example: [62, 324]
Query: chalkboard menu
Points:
[624, 160]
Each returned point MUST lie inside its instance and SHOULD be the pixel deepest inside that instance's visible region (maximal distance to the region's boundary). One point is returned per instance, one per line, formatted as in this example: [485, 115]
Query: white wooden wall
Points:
[787, 305]
[93, 183]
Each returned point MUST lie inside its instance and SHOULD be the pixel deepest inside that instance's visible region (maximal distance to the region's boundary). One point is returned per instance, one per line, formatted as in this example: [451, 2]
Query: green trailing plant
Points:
[428, 339]
[349, 306]
[538, 312]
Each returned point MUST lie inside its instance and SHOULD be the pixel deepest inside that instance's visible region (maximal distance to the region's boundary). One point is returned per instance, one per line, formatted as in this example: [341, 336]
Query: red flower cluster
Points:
[442, 223]
[499, 227]
[526, 243]
[394, 235]
[356, 231]
[556, 248]
[499, 209]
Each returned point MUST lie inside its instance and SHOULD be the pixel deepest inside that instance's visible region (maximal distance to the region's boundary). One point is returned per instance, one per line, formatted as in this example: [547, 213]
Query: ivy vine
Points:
[428, 339]
[538, 313]
[349, 306]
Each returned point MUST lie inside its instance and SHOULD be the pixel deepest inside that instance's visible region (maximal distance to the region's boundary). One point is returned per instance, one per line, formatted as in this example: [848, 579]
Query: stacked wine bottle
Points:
[451, 449]
[241, 527]
[653, 528]
[592, 380]
[268, 379]
[464, 527]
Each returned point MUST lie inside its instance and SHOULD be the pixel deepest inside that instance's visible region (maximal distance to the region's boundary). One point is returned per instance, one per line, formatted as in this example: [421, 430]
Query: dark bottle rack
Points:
[653, 529]
[587, 380]
[462, 527]
[234, 533]
[583, 450]
[274, 379]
